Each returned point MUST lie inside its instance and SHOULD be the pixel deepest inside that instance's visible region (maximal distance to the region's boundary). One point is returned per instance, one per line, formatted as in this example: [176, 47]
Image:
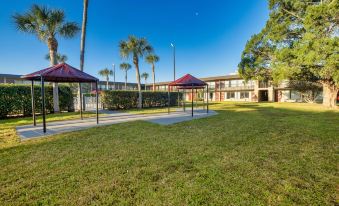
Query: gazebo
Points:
[188, 82]
[59, 73]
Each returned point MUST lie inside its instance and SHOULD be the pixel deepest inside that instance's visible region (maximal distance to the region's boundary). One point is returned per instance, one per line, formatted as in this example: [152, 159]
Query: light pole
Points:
[172, 45]
[114, 76]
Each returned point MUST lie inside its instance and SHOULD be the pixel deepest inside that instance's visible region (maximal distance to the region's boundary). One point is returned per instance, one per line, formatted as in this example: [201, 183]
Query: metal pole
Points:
[174, 61]
[169, 100]
[207, 98]
[33, 104]
[43, 105]
[203, 98]
[192, 100]
[196, 98]
[178, 96]
[97, 100]
[184, 99]
[80, 92]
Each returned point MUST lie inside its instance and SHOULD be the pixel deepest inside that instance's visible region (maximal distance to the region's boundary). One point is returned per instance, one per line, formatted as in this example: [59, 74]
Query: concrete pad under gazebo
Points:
[59, 73]
[188, 82]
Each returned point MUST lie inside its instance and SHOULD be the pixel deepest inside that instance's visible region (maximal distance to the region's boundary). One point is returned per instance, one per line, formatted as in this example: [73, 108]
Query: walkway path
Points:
[29, 131]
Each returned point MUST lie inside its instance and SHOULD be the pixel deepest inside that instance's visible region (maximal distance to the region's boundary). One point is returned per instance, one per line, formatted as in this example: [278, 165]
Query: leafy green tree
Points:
[137, 48]
[47, 24]
[145, 76]
[106, 73]
[300, 39]
[60, 58]
[125, 67]
[152, 59]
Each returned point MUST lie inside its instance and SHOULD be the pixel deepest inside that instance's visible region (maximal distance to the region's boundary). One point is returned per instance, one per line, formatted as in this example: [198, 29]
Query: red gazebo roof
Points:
[60, 73]
[188, 81]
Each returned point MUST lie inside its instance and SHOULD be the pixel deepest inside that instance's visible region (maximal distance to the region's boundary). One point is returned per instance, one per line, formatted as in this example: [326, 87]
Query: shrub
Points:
[16, 99]
[129, 99]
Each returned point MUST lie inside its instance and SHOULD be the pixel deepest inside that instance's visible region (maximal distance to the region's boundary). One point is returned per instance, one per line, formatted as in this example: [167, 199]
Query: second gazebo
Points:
[189, 82]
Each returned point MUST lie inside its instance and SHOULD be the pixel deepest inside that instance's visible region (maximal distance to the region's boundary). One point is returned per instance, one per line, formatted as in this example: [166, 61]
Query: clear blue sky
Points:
[209, 34]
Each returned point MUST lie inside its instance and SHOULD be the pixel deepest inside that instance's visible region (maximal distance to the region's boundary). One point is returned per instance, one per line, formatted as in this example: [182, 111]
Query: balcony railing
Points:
[243, 87]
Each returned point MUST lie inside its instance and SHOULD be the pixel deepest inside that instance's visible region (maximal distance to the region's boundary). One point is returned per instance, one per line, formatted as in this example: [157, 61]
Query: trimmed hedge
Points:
[115, 100]
[16, 99]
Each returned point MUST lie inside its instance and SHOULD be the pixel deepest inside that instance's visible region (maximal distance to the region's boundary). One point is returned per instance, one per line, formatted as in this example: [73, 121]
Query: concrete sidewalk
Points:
[29, 131]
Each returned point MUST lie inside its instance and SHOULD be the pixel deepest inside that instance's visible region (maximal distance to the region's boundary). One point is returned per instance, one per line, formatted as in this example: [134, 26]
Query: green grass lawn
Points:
[249, 154]
[8, 136]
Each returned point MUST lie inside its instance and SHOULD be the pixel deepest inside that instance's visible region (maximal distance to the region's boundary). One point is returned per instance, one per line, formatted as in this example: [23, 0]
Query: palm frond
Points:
[61, 58]
[152, 58]
[24, 23]
[125, 66]
[144, 75]
[124, 50]
[69, 29]
[55, 19]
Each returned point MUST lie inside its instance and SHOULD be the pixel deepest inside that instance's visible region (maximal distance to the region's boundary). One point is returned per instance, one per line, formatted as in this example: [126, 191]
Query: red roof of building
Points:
[61, 73]
[188, 81]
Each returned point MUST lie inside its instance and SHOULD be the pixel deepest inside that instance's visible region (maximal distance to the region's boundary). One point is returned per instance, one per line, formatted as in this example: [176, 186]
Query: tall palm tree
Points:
[125, 67]
[106, 73]
[83, 35]
[145, 76]
[152, 59]
[82, 44]
[60, 58]
[137, 48]
[47, 24]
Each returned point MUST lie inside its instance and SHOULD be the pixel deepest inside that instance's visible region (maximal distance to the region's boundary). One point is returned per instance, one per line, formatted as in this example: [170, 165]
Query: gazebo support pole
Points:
[43, 105]
[203, 98]
[80, 93]
[207, 98]
[196, 98]
[97, 101]
[184, 99]
[178, 97]
[33, 103]
[169, 100]
[192, 100]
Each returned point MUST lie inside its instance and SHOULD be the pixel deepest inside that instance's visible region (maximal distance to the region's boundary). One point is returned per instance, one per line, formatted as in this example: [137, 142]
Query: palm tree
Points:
[82, 44]
[145, 76]
[61, 58]
[125, 67]
[137, 48]
[106, 73]
[47, 24]
[152, 59]
[83, 35]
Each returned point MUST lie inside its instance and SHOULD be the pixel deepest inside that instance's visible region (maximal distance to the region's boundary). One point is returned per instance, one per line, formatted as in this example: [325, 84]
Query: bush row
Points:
[16, 99]
[114, 100]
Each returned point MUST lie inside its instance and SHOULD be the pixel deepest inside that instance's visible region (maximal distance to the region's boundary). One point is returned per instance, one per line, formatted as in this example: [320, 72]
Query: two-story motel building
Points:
[234, 88]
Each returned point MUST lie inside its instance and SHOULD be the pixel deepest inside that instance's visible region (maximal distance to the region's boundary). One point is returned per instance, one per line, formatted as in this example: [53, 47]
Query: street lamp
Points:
[172, 45]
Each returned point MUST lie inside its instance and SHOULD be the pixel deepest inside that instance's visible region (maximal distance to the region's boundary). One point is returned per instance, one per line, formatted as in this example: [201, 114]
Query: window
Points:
[230, 95]
[211, 85]
[244, 95]
[227, 83]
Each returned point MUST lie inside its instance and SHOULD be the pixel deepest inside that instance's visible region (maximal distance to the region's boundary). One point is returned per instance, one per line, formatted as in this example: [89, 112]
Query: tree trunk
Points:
[153, 74]
[126, 80]
[83, 35]
[107, 79]
[53, 48]
[330, 92]
[82, 42]
[136, 63]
